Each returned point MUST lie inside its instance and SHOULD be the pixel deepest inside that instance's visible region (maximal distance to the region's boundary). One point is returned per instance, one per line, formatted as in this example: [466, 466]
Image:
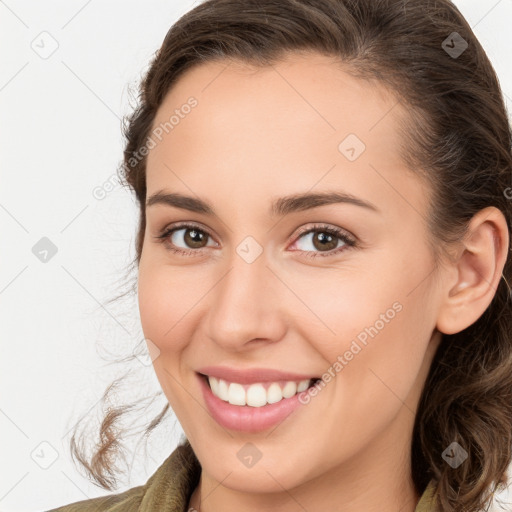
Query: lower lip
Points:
[245, 418]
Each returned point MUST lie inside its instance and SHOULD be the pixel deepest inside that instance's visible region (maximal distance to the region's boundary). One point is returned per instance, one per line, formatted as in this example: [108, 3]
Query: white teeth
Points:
[214, 384]
[274, 393]
[289, 389]
[236, 394]
[223, 390]
[255, 395]
[303, 385]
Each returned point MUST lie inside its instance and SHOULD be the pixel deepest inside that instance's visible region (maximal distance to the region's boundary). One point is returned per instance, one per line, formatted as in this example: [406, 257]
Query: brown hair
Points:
[457, 137]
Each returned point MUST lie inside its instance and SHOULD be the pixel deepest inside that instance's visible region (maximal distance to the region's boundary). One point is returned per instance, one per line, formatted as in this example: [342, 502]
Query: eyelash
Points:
[322, 228]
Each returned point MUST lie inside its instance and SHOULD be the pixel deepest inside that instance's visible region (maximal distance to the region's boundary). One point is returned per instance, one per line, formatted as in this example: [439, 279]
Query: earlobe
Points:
[478, 269]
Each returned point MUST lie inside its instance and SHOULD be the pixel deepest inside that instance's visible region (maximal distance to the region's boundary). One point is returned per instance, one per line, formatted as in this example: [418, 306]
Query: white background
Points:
[60, 136]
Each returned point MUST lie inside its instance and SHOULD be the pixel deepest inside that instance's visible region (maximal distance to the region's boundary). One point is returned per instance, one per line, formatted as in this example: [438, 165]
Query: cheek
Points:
[372, 327]
[162, 304]
[161, 309]
[341, 306]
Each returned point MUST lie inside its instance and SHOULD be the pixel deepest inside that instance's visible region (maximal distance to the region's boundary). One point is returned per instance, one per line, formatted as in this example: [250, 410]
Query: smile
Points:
[258, 394]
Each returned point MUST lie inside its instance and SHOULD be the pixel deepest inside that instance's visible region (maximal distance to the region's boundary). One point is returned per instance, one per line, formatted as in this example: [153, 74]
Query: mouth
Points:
[258, 394]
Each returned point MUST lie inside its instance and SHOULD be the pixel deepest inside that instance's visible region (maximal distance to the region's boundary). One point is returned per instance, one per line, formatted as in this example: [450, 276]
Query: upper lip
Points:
[250, 375]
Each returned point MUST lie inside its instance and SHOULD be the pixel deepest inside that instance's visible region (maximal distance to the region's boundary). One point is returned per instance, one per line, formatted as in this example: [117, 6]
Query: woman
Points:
[323, 260]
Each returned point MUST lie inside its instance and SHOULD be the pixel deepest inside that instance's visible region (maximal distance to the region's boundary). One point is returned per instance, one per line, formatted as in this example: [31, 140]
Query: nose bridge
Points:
[244, 304]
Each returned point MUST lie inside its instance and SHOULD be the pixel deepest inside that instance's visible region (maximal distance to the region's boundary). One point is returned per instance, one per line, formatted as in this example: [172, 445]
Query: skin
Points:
[254, 136]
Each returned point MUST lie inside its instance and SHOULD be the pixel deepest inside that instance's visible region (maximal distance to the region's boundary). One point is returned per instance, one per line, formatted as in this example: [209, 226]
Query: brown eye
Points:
[186, 239]
[194, 238]
[323, 241]
[320, 240]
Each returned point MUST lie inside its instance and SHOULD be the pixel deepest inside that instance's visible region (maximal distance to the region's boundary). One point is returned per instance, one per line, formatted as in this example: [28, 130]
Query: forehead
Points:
[282, 127]
[303, 89]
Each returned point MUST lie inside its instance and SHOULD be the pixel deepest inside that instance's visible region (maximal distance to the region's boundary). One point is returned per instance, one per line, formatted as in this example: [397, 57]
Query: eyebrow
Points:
[279, 207]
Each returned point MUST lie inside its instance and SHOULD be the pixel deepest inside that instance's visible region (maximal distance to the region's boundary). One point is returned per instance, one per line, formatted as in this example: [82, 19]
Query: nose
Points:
[246, 306]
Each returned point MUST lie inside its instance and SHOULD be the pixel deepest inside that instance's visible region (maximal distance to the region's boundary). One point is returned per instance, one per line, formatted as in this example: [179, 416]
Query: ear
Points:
[475, 271]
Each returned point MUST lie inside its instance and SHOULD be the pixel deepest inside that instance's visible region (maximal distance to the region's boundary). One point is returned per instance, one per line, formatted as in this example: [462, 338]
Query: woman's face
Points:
[266, 282]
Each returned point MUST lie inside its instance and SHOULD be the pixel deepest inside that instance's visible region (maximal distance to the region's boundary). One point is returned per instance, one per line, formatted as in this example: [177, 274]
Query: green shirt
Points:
[170, 487]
